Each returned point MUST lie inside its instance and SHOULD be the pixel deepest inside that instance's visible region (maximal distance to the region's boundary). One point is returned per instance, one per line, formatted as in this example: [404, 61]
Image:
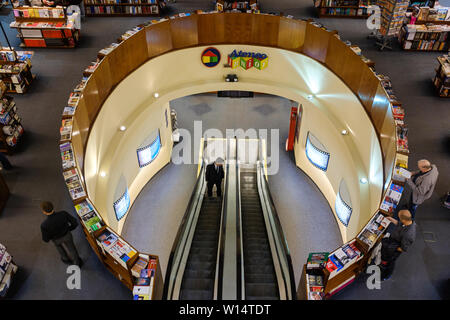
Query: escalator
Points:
[199, 274]
[260, 278]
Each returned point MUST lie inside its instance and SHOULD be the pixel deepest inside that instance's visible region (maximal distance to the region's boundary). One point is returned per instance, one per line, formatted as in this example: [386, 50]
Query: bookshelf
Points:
[7, 270]
[15, 70]
[241, 6]
[11, 129]
[112, 8]
[46, 27]
[343, 8]
[393, 14]
[441, 80]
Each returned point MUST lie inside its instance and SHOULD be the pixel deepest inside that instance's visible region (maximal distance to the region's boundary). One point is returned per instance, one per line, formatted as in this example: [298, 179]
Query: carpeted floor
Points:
[422, 273]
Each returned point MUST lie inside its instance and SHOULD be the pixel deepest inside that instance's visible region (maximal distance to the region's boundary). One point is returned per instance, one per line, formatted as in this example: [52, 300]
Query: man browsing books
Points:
[57, 227]
[399, 241]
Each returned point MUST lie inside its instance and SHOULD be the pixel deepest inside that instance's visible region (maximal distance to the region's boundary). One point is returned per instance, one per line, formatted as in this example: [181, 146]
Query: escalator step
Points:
[260, 278]
[196, 295]
[261, 289]
[199, 274]
[197, 284]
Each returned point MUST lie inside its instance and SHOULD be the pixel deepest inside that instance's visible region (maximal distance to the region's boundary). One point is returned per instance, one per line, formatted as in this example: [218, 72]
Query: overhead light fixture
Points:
[122, 128]
[344, 132]
[156, 94]
[363, 180]
[231, 78]
[102, 174]
[310, 96]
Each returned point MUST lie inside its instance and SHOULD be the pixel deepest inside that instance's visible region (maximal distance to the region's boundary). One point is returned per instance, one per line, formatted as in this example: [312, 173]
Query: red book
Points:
[331, 266]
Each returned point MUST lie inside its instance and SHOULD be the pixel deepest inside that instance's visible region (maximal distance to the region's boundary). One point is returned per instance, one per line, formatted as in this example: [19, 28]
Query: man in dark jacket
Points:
[214, 175]
[57, 227]
[400, 239]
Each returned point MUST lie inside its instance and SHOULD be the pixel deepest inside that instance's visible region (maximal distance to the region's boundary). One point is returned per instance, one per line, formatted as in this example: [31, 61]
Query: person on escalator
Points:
[214, 176]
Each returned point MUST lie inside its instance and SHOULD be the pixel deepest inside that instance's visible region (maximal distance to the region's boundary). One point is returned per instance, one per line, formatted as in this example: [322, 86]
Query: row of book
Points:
[433, 14]
[342, 258]
[74, 98]
[374, 229]
[344, 11]
[393, 13]
[425, 37]
[314, 276]
[109, 242]
[89, 216]
[66, 129]
[442, 79]
[391, 198]
[68, 160]
[226, 5]
[87, 2]
[144, 271]
[111, 9]
[42, 25]
[39, 12]
[74, 184]
[339, 3]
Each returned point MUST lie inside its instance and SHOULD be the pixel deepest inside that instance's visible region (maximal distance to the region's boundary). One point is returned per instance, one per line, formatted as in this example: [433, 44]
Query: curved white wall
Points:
[291, 75]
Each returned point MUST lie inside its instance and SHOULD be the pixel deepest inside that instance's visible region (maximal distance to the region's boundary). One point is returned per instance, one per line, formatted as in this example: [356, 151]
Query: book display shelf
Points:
[15, 70]
[343, 8]
[7, 270]
[46, 26]
[237, 6]
[442, 79]
[110, 8]
[11, 129]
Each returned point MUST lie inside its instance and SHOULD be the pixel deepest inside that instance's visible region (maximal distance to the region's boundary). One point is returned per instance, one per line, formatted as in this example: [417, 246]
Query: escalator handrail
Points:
[278, 233]
[191, 209]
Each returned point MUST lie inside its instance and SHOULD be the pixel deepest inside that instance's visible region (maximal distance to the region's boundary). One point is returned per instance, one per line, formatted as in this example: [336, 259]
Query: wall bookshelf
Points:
[46, 27]
[7, 270]
[11, 130]
[441, 80]
[343, 8]
[15, 70]
[241, 6]
[111, 8]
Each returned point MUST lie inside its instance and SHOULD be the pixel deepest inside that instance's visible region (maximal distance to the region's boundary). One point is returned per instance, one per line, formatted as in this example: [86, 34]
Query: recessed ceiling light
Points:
[363, 180]
[122, 128]
[310, 97]
[102, 174]
[344, 132]
[156, 94]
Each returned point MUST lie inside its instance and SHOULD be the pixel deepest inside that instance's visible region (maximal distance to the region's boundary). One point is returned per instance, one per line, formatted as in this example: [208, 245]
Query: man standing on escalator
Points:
[214, 176]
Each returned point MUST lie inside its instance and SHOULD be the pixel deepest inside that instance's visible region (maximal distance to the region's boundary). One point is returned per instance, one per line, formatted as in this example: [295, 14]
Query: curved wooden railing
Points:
[300, 36]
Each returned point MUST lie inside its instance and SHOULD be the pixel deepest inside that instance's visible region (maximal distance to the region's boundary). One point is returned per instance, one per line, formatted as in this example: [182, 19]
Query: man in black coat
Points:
[214, 176]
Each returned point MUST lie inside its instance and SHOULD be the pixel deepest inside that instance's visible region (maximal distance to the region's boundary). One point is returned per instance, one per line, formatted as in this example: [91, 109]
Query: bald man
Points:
[422, 183]
[399, 241]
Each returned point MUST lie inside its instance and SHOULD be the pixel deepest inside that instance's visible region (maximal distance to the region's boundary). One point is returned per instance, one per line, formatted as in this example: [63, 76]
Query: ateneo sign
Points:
[246, 60]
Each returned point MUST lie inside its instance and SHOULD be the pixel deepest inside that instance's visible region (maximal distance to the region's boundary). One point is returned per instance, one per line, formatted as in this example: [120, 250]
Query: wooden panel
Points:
[367, 88]
[265, 30]
[83, 121]
[291, 34]
[118, 63]
[77, 145]
[135, 50]
[353, 70]
[316, 42]
[184, 32]
[336, 55]
[159, 38]
[103, 79]
[91, 98]
[388, 143]
[211, 29]
[379, 108]
[237, 28]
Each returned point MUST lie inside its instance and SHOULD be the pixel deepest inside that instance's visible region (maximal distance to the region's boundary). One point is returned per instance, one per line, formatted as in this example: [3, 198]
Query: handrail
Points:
[274, 227]
[218, 285]
[180, 241]
[239, 233]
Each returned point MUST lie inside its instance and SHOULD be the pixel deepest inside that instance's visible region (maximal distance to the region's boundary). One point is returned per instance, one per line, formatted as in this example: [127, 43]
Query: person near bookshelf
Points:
[421, 184]
[399, 241]
[5, 162]
[57, 228]
[214, 176]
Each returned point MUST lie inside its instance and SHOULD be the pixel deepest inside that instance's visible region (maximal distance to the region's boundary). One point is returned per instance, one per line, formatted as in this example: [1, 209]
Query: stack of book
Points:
[91, 220]
[39, 12]
[10, 122]
[242, 6]
[68, 161]
[145, 272]
[376, 226]
[107, 50]
[74, 184]
[15, 69]
[442, 79]
[116, 247]
[342, 258]
[315, 286]
[91, 68]
[74, 98]
[66, 129]
[392, 198]
[316, 260]
[130, 33]
[402, 139]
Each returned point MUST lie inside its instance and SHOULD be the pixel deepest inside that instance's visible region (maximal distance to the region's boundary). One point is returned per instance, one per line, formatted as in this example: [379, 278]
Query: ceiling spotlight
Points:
[363, 180]
[344, 132]
[231, 78]
[122, 128]
[156, 94]
[102, 174]
[310, 97]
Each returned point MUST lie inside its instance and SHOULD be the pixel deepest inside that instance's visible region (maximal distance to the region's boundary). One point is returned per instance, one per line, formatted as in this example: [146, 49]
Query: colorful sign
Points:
[211, 57]
[247, 60]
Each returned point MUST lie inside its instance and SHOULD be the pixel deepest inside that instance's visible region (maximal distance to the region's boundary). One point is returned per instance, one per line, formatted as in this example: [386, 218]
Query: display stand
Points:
[113, 8]
[239, 6]
[7, 270]
[393, 13]
[442, 79]
[46, 27]
[343, 8]
[15, 70]
[11, 129]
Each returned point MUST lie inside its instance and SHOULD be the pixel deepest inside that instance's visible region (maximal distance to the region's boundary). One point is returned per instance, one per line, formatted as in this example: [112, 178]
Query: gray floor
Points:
[422, 273]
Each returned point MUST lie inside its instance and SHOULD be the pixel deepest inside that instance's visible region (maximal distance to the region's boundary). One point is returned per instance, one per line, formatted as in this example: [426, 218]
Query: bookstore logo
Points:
[74, 280]
[211, 57]
[182, 152]
[374, 280]
[374, 20]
